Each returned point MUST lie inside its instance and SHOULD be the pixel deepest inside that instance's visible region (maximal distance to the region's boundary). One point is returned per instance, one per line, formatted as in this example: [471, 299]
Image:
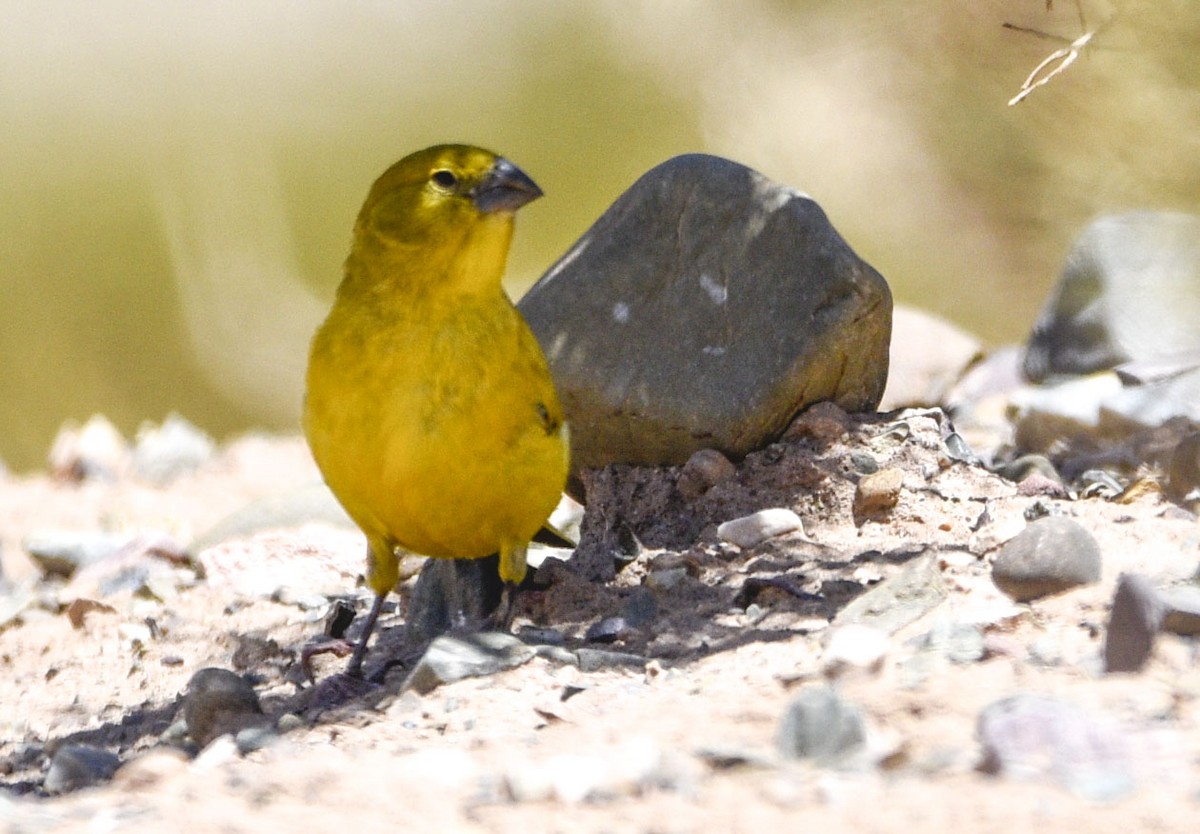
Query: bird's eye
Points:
[445, 179]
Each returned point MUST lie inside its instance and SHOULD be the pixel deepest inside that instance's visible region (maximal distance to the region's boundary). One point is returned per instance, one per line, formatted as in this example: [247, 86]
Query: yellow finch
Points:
[429, 408]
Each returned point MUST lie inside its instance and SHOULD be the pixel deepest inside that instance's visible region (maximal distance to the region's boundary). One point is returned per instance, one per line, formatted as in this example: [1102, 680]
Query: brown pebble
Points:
[703, 470]
[1036, 483]
[823, 422]
[877, 493]
[218, 702]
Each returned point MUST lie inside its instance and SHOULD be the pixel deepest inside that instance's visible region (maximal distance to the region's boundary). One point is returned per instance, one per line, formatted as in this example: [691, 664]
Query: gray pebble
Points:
[702, 310]
[957, 642]
[751, 530]
[61, 553]
[163, 453]
[219, 702]
[255, 738]
[1182, 610]
[1035, 738]
[1049, 556]
[1137, 613]
[450, 658]
[821, 726]
[608, 630]
[593, 660]
[77, 766]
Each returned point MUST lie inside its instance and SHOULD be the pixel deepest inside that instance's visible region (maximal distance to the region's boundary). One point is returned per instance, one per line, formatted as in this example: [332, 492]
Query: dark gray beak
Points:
[505, 188]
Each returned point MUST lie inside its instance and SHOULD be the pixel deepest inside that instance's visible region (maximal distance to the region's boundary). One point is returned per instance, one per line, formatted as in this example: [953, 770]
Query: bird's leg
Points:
[503, 616]
[354, 668]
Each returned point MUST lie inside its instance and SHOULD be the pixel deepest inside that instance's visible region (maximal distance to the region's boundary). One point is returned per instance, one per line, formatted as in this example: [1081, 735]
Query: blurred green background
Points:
[179, 179]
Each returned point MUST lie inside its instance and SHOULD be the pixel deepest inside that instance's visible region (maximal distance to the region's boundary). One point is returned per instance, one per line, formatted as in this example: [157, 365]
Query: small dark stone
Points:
[77, 766]
[338, 619]
[1137, 613]
[820, 725]
[218, 702]
[608, 630]
[1051, 555]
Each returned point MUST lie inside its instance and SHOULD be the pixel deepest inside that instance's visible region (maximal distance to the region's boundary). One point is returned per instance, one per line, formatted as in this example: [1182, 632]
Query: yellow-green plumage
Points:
[430, 409]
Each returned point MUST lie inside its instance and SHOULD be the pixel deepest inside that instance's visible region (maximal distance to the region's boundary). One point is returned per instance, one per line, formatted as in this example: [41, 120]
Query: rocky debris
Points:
[1136, 616]
[1115, 355]
[704, 309]
[822, 726]
[220, 702]
[1051, 555]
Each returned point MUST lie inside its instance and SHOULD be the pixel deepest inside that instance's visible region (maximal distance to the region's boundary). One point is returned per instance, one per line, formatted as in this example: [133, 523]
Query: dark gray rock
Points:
[822, 726]
[1035, 738]
[900, 599]
[1181, 614]
[1137, 614]
[450, 658]
[1051, 555]
[77, 766]
[453, 594]
[218, 702]
[704, 309]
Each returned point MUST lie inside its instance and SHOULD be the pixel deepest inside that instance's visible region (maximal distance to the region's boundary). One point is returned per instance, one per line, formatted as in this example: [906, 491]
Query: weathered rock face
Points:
[704, 309]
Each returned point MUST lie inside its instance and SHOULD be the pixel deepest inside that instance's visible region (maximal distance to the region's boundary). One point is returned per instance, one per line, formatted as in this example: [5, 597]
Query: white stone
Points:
[751, 530]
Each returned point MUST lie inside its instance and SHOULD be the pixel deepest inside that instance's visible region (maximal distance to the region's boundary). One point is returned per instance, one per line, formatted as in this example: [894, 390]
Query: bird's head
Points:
[441, 194]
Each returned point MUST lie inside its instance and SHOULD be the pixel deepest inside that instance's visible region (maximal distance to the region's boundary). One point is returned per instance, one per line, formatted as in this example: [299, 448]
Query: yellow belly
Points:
[444, 438]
